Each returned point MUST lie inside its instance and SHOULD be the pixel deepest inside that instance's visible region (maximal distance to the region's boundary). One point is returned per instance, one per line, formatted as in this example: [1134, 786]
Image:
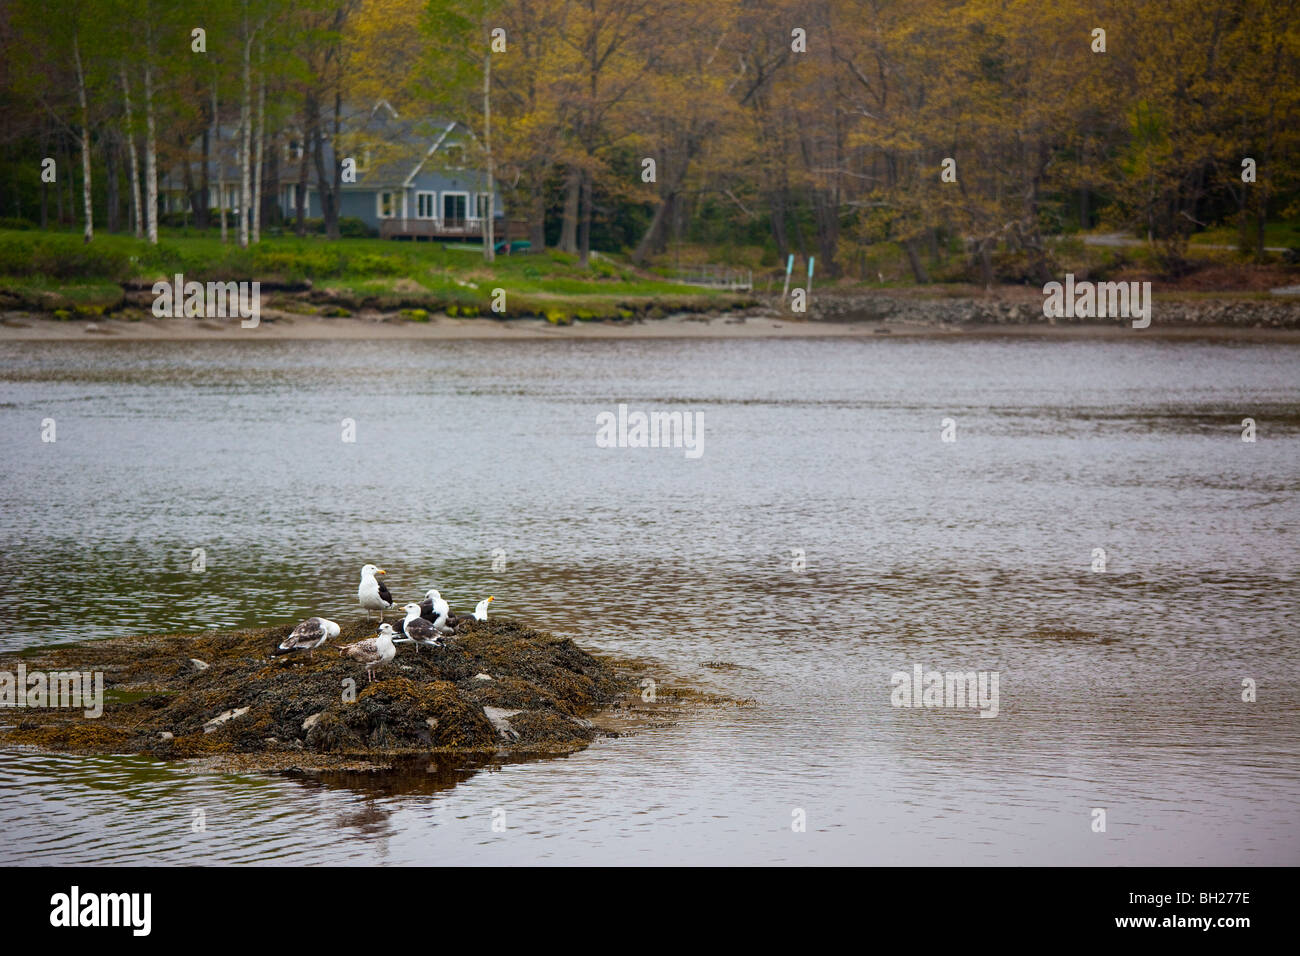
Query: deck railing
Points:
[504, 230]
[717, 277]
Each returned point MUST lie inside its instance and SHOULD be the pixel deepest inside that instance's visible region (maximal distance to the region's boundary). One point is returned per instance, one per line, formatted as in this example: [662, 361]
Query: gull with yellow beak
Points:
[481, 609]
[371, 593]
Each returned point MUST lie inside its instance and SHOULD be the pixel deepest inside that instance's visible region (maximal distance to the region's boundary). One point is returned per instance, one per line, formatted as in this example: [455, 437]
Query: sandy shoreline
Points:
[24, 327]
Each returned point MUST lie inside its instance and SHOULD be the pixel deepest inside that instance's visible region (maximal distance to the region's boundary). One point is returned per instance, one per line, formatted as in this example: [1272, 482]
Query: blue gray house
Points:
[414, 178]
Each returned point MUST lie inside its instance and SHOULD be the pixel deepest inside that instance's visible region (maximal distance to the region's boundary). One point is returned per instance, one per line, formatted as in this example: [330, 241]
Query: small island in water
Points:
[500, 687]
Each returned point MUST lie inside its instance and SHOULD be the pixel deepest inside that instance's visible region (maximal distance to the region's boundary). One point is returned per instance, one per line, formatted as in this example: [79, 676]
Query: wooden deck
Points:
[506, 230]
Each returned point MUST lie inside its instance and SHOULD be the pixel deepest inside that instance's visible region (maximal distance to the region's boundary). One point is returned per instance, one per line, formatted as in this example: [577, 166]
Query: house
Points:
[414, 179]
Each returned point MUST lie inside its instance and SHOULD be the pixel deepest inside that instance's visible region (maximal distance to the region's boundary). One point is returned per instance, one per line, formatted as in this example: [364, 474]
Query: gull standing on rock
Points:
[418, 630]
[308, 636]
[371, 593]
[373, 651]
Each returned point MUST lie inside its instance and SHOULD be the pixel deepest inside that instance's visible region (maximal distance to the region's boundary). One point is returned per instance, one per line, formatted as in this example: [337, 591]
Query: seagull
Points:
[435, 609]
[419, 630]
[481, 609]
[434, 606]
[373, 651]
[371, 593]
[308, 636]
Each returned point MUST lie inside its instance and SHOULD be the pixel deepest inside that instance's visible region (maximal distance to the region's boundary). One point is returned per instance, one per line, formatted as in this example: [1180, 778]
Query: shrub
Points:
[61, 256]
[351, 227]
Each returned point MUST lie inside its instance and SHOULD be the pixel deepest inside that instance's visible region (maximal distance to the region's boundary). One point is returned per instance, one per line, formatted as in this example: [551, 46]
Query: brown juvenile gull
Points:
[308, 636]
[373, 651]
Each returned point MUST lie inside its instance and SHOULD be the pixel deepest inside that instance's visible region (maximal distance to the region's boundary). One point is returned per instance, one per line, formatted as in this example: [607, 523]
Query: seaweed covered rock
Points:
[247, 701]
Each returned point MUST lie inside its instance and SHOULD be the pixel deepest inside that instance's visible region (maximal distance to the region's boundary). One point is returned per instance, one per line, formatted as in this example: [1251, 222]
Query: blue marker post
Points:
[808, 293]
[789, 267]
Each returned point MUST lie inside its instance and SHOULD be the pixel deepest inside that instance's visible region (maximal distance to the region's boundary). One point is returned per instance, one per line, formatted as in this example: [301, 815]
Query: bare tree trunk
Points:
[652, 240]
[272, 185]
[245, 137]
[261, 139]
[300, 192]
[331, 212]
[221, 162]
[569, 226]
[537, 227]
[986, 262]
[133, 155]
[58, 186]
[328, 186]
[910, 246]
[584, 226]
[203, 210]
[89, 231]
[777, 202]
[45, 187]
[114, 219]
[489, 240]
[150, 149]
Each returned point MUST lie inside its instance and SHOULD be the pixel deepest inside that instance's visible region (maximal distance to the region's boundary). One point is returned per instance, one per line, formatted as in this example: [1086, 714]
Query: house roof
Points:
[390, 150]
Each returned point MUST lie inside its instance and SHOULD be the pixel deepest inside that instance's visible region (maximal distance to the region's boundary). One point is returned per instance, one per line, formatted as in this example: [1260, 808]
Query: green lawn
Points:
[1283, 234]
[58, 271]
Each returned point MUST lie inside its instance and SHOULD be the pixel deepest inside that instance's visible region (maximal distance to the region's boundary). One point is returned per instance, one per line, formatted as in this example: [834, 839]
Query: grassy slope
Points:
[58, 272]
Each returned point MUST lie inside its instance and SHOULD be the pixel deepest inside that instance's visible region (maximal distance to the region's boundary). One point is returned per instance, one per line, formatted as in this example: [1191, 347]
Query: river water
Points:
[826, 539]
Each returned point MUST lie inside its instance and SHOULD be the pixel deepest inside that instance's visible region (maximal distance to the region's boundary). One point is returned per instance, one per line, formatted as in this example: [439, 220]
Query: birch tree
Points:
[245, 131]
[132, 153]
[86, 197]
[151, 139]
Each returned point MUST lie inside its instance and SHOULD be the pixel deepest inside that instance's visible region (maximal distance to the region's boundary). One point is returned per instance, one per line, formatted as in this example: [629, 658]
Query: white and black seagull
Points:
[371, 593]
[308, 636]
[419, 631]
[481, 609]
[434, 606]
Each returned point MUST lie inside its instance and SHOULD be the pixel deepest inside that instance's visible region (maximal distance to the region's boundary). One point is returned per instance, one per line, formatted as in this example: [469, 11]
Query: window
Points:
[454, 155]
[425, 207]
[386, 205]
[454, 206]
[483, 206]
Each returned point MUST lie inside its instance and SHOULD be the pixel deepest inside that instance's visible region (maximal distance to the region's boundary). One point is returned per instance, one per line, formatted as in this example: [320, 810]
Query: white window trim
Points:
[433, 203]
[379, 203]
[490, 205]
[469, 212]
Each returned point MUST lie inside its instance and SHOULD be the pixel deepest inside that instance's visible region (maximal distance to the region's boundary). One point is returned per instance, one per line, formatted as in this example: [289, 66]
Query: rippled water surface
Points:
[1118, 690]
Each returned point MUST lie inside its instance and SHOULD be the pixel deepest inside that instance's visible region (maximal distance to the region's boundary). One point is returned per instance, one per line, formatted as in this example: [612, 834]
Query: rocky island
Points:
[500, 686]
